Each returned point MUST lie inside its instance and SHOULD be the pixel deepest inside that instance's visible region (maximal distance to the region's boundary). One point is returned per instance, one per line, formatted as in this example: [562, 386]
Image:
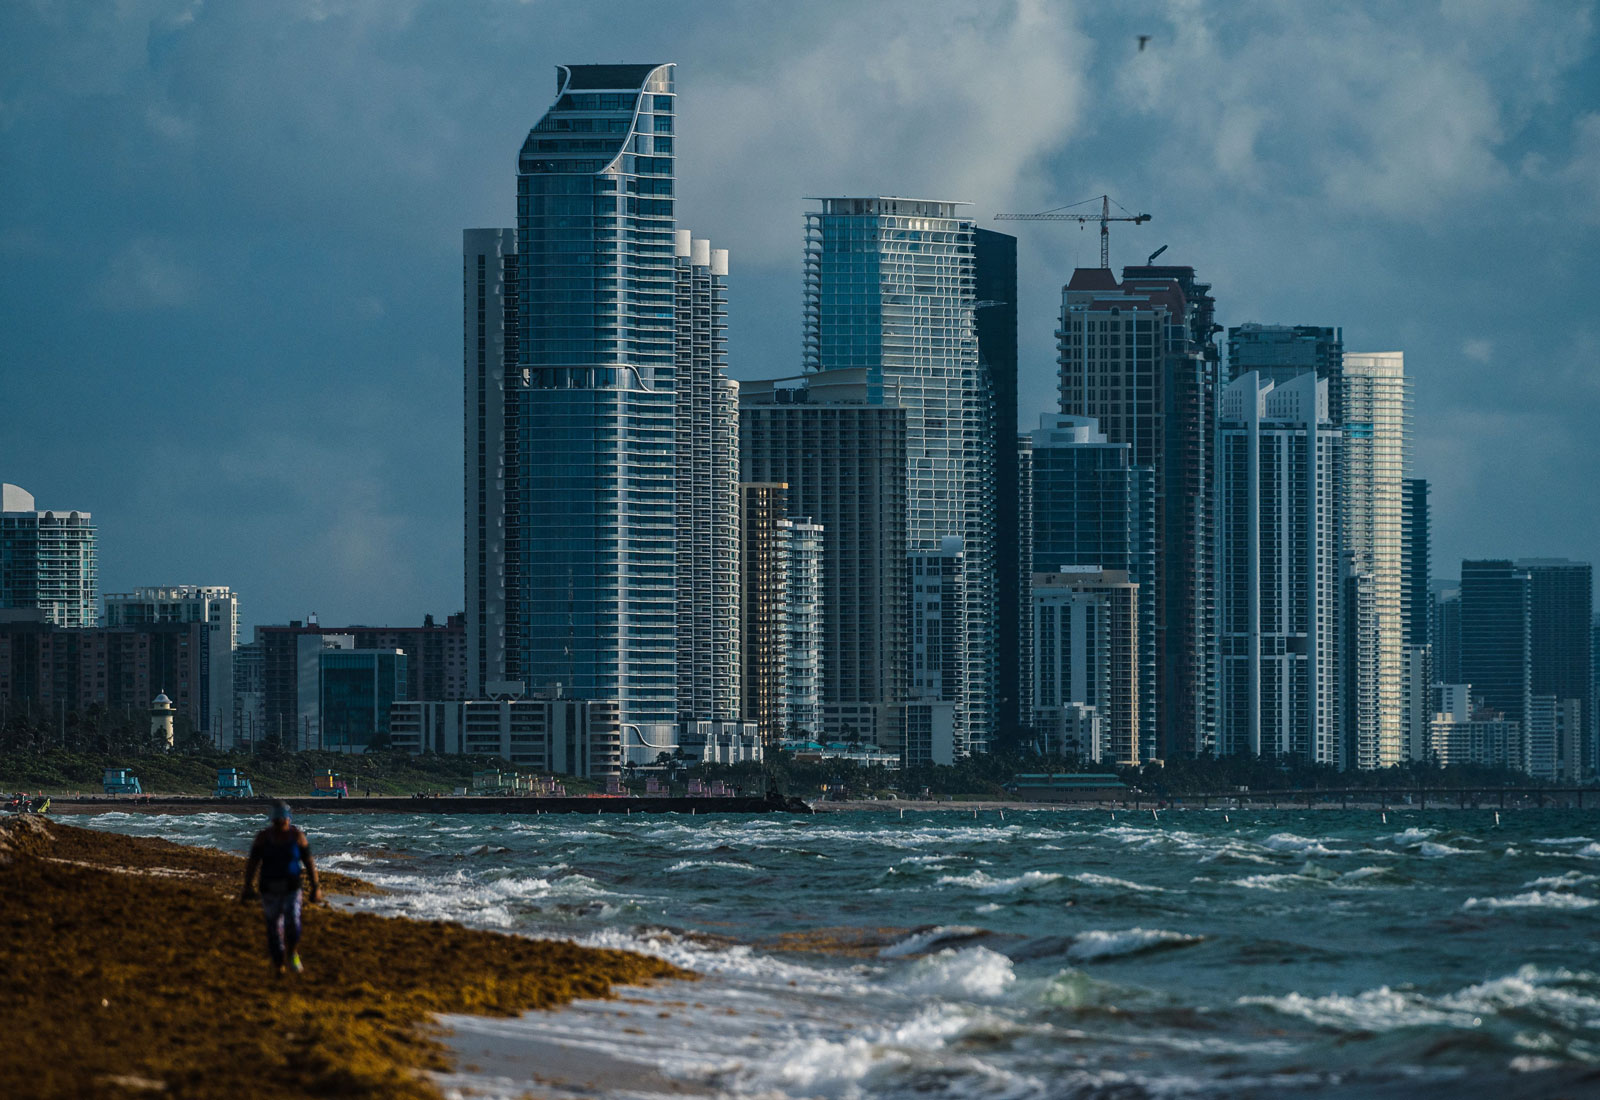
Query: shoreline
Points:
[132, 969]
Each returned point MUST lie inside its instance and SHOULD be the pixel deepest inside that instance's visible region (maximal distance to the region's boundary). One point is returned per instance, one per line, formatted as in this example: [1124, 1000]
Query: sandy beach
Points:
[132, 970]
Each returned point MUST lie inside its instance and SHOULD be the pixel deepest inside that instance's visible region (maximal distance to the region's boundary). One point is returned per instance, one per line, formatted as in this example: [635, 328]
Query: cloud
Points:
[953, 102]
[1479, 351]
[147, 273]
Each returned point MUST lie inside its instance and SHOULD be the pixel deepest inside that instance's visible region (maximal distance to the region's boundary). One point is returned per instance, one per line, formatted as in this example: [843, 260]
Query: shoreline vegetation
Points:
[132, 971]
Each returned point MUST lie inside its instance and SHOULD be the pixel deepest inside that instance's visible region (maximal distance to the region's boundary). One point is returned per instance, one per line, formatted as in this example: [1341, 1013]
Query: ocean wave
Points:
[737, 961]
[1588, 851]
[967, 972]
[1089, 878]
[1437, 851]
[986, 884]
[921, 941]
[1566, 878]
[1381, 1009]
[1301, 845]
[710, 865]
[1534, 899]
[1280, 881]
[1239, 852]
[1407, 837]
[1132, 941]
[1562, 841]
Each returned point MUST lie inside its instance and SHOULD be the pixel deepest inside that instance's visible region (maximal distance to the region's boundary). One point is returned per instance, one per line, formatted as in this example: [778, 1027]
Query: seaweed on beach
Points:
[132, 970]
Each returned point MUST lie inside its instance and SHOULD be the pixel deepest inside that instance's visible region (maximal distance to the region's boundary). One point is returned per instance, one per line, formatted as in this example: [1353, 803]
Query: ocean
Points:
[1079, 953]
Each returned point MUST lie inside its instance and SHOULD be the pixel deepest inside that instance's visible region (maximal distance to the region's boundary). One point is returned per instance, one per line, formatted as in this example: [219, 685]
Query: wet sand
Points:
[132, 970]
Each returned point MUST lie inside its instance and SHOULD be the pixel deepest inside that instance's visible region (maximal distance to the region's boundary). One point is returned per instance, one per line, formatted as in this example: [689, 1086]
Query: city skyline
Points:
[258, 365]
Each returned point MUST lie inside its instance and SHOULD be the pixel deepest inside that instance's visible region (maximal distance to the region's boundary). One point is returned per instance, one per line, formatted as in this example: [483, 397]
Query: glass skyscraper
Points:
[572, 357]
[48, 560]
[890, 288]
[1089, 506]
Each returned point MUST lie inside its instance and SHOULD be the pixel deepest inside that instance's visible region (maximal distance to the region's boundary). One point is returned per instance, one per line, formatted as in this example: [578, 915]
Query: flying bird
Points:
[1143, 38]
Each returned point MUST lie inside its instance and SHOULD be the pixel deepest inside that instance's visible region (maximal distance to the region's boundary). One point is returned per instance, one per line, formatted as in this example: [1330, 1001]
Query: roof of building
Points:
[585, 78]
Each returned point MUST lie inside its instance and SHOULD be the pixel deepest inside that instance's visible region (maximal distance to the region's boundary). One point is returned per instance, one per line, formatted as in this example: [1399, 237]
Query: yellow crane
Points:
[1105, 217]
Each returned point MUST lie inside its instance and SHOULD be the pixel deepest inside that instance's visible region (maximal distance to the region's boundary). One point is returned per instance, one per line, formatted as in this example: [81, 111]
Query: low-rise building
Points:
[581, 737]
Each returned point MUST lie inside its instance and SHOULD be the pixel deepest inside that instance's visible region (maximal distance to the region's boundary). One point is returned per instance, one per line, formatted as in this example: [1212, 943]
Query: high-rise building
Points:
[249, 695]
[1467, 732]
[1085, 646]
[890, 288]
[1278, 569]
[493, 385]
[1090, 506]
[764, 607]
[47, 560]
[1561, 605]
[1497, 635]
[938, 651]
[596, 341]
[1280, 352]
[804, 657]
[1375, 413]
[215, 606]
[1445, 631]
[995, 319]
[1416, 619]
[843, 458]
[580, 737]
[707, 455]
[1591, 748]
[1140, 356]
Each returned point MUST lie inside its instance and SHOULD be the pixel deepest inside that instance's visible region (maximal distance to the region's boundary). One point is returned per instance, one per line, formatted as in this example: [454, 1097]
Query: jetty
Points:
[511, 806]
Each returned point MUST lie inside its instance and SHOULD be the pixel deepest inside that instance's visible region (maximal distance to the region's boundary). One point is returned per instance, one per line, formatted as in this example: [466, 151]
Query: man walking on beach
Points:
[281, 853]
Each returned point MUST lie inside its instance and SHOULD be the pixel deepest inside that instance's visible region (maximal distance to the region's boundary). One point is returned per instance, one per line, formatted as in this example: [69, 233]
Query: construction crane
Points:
[1105, 218]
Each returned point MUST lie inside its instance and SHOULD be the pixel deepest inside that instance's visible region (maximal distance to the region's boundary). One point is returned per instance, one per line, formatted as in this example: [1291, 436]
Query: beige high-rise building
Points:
[1376, 407]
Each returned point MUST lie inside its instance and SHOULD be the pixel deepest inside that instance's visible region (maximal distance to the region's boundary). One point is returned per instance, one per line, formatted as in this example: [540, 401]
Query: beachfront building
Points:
[841, 452]
[1085, 651]
[48, 561]
[1139, 356]
[938, 631]
[579, 737]
[59, 677]
[706, 453]
[1090, 506]
[1278, 569]
[1376, 409]
[890, 290]
[215, 606]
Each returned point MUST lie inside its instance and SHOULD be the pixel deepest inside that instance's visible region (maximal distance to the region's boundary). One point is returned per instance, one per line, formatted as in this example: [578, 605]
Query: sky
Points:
[230, 233]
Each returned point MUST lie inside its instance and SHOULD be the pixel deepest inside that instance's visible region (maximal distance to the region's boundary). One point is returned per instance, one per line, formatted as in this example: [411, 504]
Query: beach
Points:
[132, 970]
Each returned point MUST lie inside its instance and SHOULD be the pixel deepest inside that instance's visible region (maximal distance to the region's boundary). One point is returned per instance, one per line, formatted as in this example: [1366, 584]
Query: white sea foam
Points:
[1562, 841]
[1089, 878]
[710, 865]
[920, 942]
[1406, 837]
[1566, 878]
[1288, 842]
[1533, 899]
[1239, 852]
[987, 884]
[1280, 881]
[1099, 944]
[1588, 851]
[1438, 851]
[1381, 1009]
[967, 972]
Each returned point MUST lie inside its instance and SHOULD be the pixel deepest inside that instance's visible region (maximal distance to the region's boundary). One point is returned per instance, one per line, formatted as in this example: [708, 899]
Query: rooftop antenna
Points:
[1153, 255]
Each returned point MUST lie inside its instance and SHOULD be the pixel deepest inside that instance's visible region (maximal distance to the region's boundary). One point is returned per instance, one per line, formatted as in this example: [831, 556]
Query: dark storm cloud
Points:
[230, 232]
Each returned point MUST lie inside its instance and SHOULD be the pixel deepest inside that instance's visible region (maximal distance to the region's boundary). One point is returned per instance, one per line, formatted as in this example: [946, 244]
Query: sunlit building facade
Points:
[890, 289]
[48, 560]
[1375, 426]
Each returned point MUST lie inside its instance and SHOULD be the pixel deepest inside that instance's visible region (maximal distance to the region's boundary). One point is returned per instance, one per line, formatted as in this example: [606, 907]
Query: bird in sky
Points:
[1143, 38]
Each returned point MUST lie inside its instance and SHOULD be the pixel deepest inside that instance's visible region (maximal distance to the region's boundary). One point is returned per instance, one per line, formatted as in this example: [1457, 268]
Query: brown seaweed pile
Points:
[129, 968]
